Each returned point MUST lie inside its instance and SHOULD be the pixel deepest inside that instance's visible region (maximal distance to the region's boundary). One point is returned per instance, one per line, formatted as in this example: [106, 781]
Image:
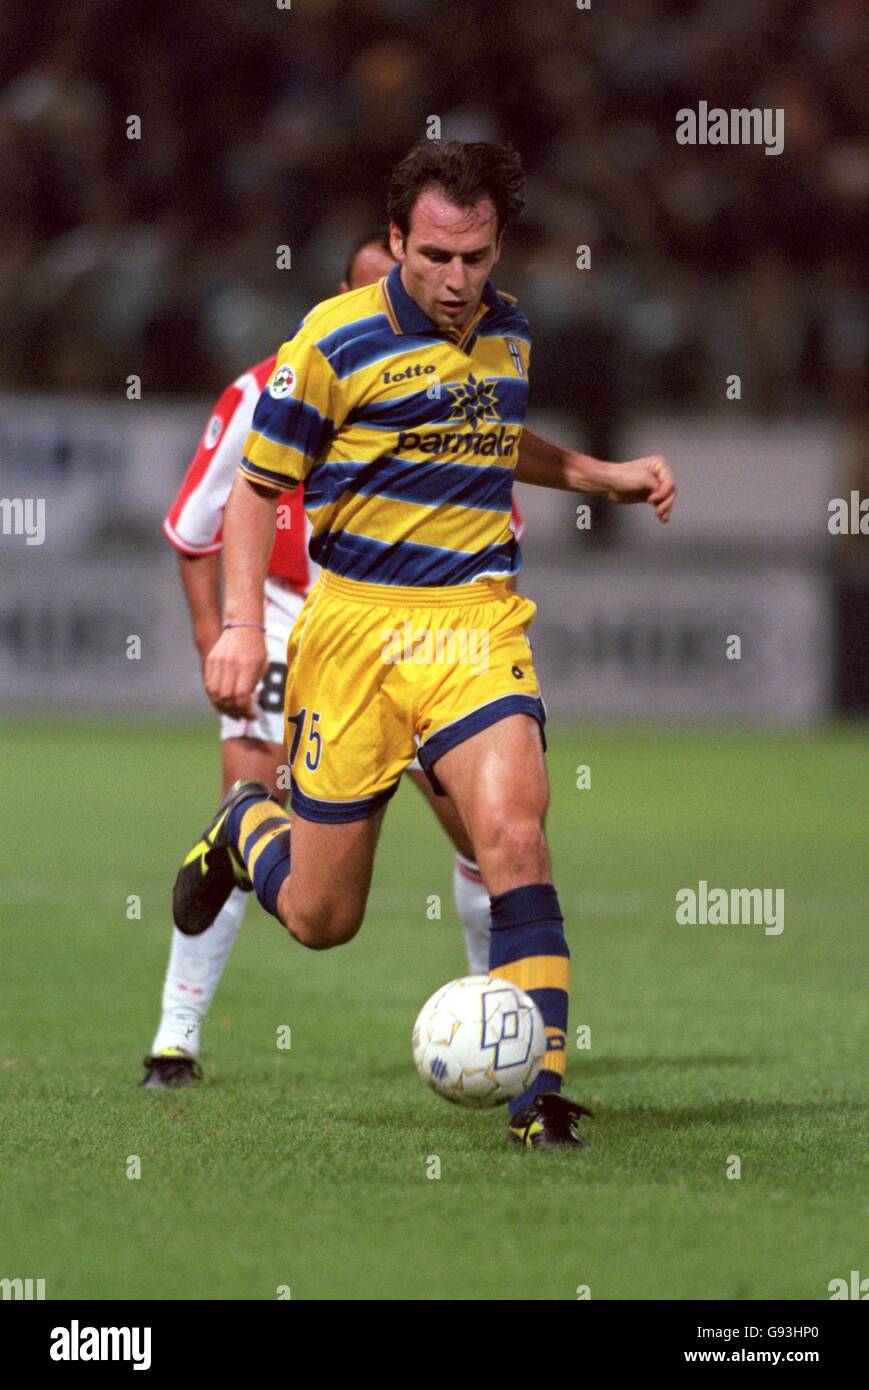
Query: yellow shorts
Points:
[375, 670]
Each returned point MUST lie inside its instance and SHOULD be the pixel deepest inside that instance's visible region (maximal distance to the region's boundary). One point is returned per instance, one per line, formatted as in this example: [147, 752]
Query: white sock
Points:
[472, 905]
[195, 967]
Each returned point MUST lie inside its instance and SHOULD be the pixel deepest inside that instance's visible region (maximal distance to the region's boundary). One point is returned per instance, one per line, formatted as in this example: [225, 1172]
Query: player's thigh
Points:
[257, 758]
[497, 779]
[349, 711]
[446, 813]
[327, 890]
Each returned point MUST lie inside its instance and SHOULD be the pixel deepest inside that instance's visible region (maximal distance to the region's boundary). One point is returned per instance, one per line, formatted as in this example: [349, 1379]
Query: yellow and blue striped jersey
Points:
[405, 435]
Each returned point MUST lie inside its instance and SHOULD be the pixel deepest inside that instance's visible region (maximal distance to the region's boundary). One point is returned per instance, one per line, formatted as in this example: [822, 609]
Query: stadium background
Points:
[155, 258]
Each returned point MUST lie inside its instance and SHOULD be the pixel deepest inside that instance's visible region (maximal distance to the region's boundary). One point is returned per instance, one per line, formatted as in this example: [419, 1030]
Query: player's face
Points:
[447, 256]
[369, 265]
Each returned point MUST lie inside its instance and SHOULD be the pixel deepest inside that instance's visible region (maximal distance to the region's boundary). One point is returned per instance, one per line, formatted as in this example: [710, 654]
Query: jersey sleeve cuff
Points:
[264, 477]
[187, 547]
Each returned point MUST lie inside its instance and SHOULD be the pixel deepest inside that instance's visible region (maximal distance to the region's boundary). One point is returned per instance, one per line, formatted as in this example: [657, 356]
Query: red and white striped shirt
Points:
[194, 522]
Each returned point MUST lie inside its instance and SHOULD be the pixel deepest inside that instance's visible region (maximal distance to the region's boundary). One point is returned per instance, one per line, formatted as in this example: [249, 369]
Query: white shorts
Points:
[281, 609]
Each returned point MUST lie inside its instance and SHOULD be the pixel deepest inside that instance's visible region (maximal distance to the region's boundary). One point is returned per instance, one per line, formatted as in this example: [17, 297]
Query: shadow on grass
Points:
[607, 1065]
[733, 1111]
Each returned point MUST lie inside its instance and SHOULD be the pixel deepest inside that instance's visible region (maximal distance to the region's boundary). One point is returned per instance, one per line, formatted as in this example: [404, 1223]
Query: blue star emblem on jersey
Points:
[474, 402]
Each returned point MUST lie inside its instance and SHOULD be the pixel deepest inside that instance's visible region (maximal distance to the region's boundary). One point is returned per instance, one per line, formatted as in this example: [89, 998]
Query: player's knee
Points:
[516, 841]
[327, 926]
[324, 938]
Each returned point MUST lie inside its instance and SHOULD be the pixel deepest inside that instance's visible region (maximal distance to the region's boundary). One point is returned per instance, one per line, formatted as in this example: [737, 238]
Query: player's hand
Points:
[234, 668]
[206, 637]
[643, 480]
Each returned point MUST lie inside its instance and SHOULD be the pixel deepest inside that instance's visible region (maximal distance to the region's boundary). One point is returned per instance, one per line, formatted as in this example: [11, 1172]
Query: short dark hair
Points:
[378, 236]
[466, 171]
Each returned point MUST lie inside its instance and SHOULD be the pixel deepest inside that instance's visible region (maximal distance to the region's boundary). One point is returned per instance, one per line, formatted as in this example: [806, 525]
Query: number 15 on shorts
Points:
[314, 741]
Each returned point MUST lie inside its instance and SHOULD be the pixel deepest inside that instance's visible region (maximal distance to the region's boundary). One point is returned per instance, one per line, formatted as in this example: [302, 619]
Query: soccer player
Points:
[401, 406]
[255, 747]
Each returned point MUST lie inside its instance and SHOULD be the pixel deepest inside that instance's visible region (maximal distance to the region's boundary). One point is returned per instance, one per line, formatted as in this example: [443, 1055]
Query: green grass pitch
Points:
[307, 1168]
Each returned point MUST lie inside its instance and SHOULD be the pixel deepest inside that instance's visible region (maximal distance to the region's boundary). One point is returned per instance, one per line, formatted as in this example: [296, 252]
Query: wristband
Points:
[261, 626]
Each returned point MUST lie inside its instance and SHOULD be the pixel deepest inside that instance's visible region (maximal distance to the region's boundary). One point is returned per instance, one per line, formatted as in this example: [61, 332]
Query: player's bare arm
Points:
[235, 666]
[242, 756]
[545, 464]
[200, 579]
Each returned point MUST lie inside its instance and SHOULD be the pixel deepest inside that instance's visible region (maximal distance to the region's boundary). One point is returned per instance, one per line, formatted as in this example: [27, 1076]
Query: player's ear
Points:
[396, 242]
[343, 287]
[498, 244]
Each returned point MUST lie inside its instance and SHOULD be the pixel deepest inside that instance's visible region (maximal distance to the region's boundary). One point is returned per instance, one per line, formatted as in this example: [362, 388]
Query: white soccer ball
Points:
[479, 1041]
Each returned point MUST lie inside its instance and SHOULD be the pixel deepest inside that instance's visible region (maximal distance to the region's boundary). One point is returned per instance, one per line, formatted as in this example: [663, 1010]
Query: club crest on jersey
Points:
[212, 433]
[283, 382]
[516, 355]
[474, 402]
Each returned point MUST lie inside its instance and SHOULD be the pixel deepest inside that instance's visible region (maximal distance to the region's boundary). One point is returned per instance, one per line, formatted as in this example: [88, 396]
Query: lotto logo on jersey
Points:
[212, 433]
[516, 355]
[283, 382]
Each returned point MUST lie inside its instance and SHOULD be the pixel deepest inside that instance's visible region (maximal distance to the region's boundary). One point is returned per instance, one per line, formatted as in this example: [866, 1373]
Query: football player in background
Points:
[255, 747]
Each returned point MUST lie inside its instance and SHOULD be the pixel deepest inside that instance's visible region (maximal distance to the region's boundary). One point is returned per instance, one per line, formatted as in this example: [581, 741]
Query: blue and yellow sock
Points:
[528, 948]
[260, 833]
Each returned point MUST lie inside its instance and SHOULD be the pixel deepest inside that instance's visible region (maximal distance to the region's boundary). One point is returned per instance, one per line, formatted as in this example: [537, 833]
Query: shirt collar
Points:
[406, 316]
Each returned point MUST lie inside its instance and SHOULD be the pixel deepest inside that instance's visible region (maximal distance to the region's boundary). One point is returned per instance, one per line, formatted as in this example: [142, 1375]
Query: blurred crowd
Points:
[264, 126]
